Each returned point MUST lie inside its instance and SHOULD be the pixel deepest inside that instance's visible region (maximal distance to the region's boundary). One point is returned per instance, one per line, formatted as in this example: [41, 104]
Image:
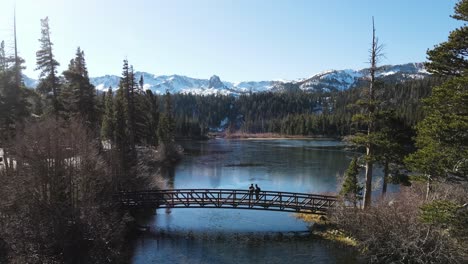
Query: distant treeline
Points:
[296, 113]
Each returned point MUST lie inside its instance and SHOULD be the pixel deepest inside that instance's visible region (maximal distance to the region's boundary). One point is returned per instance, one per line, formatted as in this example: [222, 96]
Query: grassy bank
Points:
[321, 227]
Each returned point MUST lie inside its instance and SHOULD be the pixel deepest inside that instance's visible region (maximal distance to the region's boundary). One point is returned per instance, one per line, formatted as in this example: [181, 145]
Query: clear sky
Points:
[239, 40]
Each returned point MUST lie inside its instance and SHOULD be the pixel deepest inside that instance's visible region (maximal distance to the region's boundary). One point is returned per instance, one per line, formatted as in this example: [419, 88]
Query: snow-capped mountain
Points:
[183, 84]
[345, 79]
[331, 80]
[29, 82]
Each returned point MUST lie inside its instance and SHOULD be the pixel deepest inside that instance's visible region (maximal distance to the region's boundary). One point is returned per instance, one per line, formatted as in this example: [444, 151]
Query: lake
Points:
[246, 236]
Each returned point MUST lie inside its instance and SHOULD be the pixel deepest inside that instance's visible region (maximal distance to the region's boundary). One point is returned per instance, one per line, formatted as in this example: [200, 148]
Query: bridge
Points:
[228, 199]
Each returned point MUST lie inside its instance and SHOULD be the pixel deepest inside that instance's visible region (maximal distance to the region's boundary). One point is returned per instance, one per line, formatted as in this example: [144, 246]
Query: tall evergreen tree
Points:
[390, 141]
[166, 134]
[49, 81]
[4, 84]
[108, 119]
[127, 84]
[124, 133]
[442, 138]
[166, 126]
[81, 93]
[154, 118]
[121, 137]
[14, 106]
[450, 57]
[351, 190]
[369, 118]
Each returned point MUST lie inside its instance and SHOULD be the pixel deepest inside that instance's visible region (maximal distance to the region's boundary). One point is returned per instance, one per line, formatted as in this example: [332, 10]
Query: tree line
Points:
[66, 149]
[432, 214]
[300, 112]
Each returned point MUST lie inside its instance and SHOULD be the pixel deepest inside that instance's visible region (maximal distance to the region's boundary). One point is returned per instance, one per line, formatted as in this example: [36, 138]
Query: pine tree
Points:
[450, 58]
[127, 84]
[49, 81]
[108, 119]
[81, 93]
[121, 136]
[124, 113]
[166, 127]
[166, 134]
[351, 190]
[442, 138]
[14, 106]
[370, 107]
[389, 141]
[154, 118]
[4, 84]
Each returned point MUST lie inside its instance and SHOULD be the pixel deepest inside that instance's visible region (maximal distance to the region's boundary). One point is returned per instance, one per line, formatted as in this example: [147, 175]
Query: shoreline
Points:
[267, 136]
[322, 228]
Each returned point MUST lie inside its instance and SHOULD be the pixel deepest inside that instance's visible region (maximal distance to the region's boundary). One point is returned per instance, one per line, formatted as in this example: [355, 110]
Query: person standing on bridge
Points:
[257, 191]
[251, 191]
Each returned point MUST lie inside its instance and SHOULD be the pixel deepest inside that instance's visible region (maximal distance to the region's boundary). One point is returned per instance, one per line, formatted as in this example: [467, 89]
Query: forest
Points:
[297, 113]
[67, 148]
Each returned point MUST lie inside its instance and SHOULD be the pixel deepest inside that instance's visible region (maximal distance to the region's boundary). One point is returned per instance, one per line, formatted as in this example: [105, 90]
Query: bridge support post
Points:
[281, 201]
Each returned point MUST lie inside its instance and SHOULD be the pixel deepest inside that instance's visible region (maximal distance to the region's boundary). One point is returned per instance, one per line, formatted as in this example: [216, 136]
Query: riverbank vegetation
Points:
[66, 150]
[406, 227]
[425, 222]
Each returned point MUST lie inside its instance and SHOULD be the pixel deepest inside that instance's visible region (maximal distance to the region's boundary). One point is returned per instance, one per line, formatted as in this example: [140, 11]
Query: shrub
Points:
[405, 229]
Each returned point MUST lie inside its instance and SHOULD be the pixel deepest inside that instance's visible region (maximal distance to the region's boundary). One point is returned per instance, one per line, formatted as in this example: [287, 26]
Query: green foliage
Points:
[49, 82]
[166, 127]
[300, 113]
[78, 94]
[439, 212]
[14, 105]
[154, 118]
[450, 57]
[461, 11]
[446, 214]
[393, 231]
[351, 190]
[108, 119]
[121, 130]
[441, 137]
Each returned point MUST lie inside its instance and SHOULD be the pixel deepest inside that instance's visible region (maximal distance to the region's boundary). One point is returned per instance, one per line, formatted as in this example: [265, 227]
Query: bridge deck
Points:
[229, 199]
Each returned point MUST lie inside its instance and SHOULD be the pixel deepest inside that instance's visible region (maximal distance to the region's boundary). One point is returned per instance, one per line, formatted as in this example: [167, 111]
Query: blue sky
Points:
[238, 40]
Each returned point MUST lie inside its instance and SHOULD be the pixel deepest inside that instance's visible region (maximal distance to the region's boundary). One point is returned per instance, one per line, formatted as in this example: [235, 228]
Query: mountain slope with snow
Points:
[331, 80]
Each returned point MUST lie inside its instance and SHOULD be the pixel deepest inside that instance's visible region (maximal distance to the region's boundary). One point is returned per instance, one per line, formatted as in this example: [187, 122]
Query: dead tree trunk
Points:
[375, 53]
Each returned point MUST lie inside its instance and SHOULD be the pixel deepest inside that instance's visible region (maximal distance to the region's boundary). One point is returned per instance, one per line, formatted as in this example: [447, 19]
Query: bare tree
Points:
[375, 54]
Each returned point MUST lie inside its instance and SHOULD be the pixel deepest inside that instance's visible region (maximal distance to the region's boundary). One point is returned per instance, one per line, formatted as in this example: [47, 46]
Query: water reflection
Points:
[239, 248]
[276, 165]
[289, 165]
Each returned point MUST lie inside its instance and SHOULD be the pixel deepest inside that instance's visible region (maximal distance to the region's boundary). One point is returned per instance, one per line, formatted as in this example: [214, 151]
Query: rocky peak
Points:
[215, 82]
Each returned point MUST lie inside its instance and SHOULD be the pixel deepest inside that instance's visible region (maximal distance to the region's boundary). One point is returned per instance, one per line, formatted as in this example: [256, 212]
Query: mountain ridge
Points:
[330, 80]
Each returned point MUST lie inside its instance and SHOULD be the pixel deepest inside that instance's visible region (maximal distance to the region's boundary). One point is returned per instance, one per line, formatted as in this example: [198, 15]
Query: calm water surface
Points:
[245, 236]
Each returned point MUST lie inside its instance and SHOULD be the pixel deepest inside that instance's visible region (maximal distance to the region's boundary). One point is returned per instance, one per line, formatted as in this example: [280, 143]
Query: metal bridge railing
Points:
[227, 198]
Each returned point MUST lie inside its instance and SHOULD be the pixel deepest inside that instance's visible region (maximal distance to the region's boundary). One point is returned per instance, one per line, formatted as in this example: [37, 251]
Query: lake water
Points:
[246, 236]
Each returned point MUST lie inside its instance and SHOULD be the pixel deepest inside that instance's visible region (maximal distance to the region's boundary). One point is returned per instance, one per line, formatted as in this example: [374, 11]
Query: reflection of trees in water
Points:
[208, 247]
[215, 178]
[168, 174]
[313, 168]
